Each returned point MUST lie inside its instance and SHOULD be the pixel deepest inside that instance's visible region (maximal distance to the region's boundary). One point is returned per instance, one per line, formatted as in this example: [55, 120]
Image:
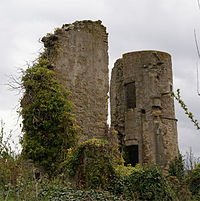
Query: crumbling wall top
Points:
[89, 26]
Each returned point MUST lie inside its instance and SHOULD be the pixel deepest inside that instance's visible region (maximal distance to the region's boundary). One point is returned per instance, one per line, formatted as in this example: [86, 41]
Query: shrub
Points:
[53, 191]
[176, 167]
[13, 173]
[91, 164]
[9, 168]
[122, 170]
[48, 126]
[193, 180]
[144, 183]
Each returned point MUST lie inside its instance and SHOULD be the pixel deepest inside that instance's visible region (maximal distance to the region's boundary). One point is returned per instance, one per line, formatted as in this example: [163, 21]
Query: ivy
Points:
[48, 125]
[143, 183]
[91, 164]
[185, 108]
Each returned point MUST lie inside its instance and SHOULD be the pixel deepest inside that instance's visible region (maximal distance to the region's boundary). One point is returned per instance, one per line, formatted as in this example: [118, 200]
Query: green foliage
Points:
[184, 106]
[91, 164]
[144, 183]
[180, 188]
[53, 191]
[5, 146]
[48, 126]
[8, 166]
[18, 181]
[122, 170]
[94, 156]
[13, 173]
[193, 180]
[45, 190]
[176, 167]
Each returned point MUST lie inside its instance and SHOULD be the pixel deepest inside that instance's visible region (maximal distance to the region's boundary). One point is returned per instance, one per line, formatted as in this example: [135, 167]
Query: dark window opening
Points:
[130, 95]
[143, 111]
[131, 155]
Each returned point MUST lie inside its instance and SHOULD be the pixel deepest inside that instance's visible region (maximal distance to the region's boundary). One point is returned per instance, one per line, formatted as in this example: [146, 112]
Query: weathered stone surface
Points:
[79, 55]
[142, 109]
[150, 122]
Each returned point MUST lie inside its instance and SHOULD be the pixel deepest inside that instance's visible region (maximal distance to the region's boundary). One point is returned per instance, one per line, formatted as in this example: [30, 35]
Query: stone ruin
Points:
[142, 109]
[79, 52]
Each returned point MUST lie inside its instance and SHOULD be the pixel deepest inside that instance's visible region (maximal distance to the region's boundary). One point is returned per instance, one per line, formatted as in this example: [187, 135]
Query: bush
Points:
[53, 191]
[144, 183]
[91, 164]
[176, 167]
[13, 173]
[48, 126]
[193, 180]
[9, 168]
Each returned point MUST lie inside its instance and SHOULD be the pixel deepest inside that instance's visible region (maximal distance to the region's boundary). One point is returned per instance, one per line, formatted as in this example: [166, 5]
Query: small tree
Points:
[48, 126]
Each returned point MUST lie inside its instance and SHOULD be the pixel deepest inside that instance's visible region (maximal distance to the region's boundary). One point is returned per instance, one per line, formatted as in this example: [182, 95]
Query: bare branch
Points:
[198, 92]
[196, 43]
[198, 53]
[14, 82]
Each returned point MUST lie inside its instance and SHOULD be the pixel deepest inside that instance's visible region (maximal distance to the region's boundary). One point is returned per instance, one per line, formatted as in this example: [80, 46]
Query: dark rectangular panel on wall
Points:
[130, 95]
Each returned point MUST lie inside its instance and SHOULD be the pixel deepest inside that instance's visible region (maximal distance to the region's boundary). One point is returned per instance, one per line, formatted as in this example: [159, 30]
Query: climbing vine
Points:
[48, 126]
[177, 96]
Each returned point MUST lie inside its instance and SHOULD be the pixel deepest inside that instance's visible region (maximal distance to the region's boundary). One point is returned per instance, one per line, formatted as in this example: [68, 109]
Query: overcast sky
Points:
[165, 25]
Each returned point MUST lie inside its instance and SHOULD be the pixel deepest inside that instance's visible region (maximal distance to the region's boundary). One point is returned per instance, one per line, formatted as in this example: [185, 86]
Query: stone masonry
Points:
[79, 54]
[142, 109]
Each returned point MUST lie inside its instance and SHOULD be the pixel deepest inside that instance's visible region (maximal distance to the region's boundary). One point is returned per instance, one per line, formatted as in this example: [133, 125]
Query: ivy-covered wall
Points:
[48, 125]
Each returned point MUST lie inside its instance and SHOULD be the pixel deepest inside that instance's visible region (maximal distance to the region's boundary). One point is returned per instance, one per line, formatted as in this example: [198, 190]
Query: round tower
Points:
[142, 108]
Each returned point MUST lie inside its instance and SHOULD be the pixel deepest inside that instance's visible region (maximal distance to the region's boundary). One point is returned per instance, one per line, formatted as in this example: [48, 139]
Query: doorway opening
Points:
[131, 155]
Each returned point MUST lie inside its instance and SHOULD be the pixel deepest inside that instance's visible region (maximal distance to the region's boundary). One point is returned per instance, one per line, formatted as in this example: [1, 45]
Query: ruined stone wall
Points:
[79, 53]
[142, 109]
